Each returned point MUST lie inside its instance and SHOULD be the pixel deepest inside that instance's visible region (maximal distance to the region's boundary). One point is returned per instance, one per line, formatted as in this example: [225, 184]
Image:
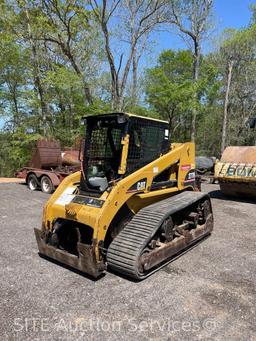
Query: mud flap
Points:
[86, 261]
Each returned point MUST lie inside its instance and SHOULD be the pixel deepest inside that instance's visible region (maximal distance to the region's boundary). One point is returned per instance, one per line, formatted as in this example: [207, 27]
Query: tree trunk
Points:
[16, 114]
[86, 88]
[134, 80]
[114, 76]
[226, 102]
[36, 74]
[196, 66]
[125, 75]
[118, 103]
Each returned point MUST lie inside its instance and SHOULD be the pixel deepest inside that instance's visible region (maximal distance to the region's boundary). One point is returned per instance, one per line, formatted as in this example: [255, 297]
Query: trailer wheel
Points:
[47, 185]
[32, 182]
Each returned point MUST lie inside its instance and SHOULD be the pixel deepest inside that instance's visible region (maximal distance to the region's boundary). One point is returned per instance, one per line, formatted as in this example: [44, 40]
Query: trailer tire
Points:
[47, 185]
[32, 182]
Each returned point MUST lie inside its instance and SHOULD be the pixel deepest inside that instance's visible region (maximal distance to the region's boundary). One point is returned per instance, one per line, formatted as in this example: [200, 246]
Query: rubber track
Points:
[124, 252]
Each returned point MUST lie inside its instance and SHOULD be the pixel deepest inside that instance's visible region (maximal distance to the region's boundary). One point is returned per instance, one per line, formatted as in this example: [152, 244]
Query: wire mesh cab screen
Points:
[103, 146]
[148, 140]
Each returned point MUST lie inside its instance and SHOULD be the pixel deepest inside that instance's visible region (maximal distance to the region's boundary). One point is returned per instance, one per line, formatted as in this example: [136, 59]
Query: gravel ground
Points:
[207, 294]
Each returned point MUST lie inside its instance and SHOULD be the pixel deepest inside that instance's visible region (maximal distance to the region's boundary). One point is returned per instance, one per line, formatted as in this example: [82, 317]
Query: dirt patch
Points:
[11, 180]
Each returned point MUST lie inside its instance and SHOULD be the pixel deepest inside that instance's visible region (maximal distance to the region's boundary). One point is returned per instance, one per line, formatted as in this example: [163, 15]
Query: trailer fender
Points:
[54, 178]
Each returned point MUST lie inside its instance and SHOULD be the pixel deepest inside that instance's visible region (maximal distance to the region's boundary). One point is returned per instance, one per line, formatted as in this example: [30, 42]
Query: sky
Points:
[232, 13]
[227, 14]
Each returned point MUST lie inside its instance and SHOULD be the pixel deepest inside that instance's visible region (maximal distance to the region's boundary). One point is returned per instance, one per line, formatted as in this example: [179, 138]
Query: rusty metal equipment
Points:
[236, 171]
[49, 166]
[47, 154]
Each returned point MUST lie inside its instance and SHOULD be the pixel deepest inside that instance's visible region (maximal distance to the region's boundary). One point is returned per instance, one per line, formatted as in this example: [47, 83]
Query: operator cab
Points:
[117, 145]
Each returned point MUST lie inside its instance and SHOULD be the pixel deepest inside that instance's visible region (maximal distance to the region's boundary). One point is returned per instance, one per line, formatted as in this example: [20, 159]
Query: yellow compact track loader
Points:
[133, 207]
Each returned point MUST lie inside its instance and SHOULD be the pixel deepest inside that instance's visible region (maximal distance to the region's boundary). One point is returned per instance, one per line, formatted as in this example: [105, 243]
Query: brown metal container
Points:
[47, 154]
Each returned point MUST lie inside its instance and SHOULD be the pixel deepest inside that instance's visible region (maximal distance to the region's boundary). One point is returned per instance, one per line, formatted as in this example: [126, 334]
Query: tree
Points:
[229, 68]
[63, 59]
[170, 89]
[36, 67]
[209, 117]
[138, 18]
[237, 64]
[191, 19]
[13, 67]
[67, 25]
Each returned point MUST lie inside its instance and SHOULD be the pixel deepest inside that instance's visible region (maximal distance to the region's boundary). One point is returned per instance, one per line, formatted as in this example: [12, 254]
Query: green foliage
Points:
[171, 91]
[48, 52]
[15, 150]
[52, 50]
[239, 47]
[169, 87]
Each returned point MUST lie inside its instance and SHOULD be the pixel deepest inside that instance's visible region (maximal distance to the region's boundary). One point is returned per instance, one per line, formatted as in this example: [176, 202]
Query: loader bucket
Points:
[236, 171]
[239, 155]
[84, 262]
